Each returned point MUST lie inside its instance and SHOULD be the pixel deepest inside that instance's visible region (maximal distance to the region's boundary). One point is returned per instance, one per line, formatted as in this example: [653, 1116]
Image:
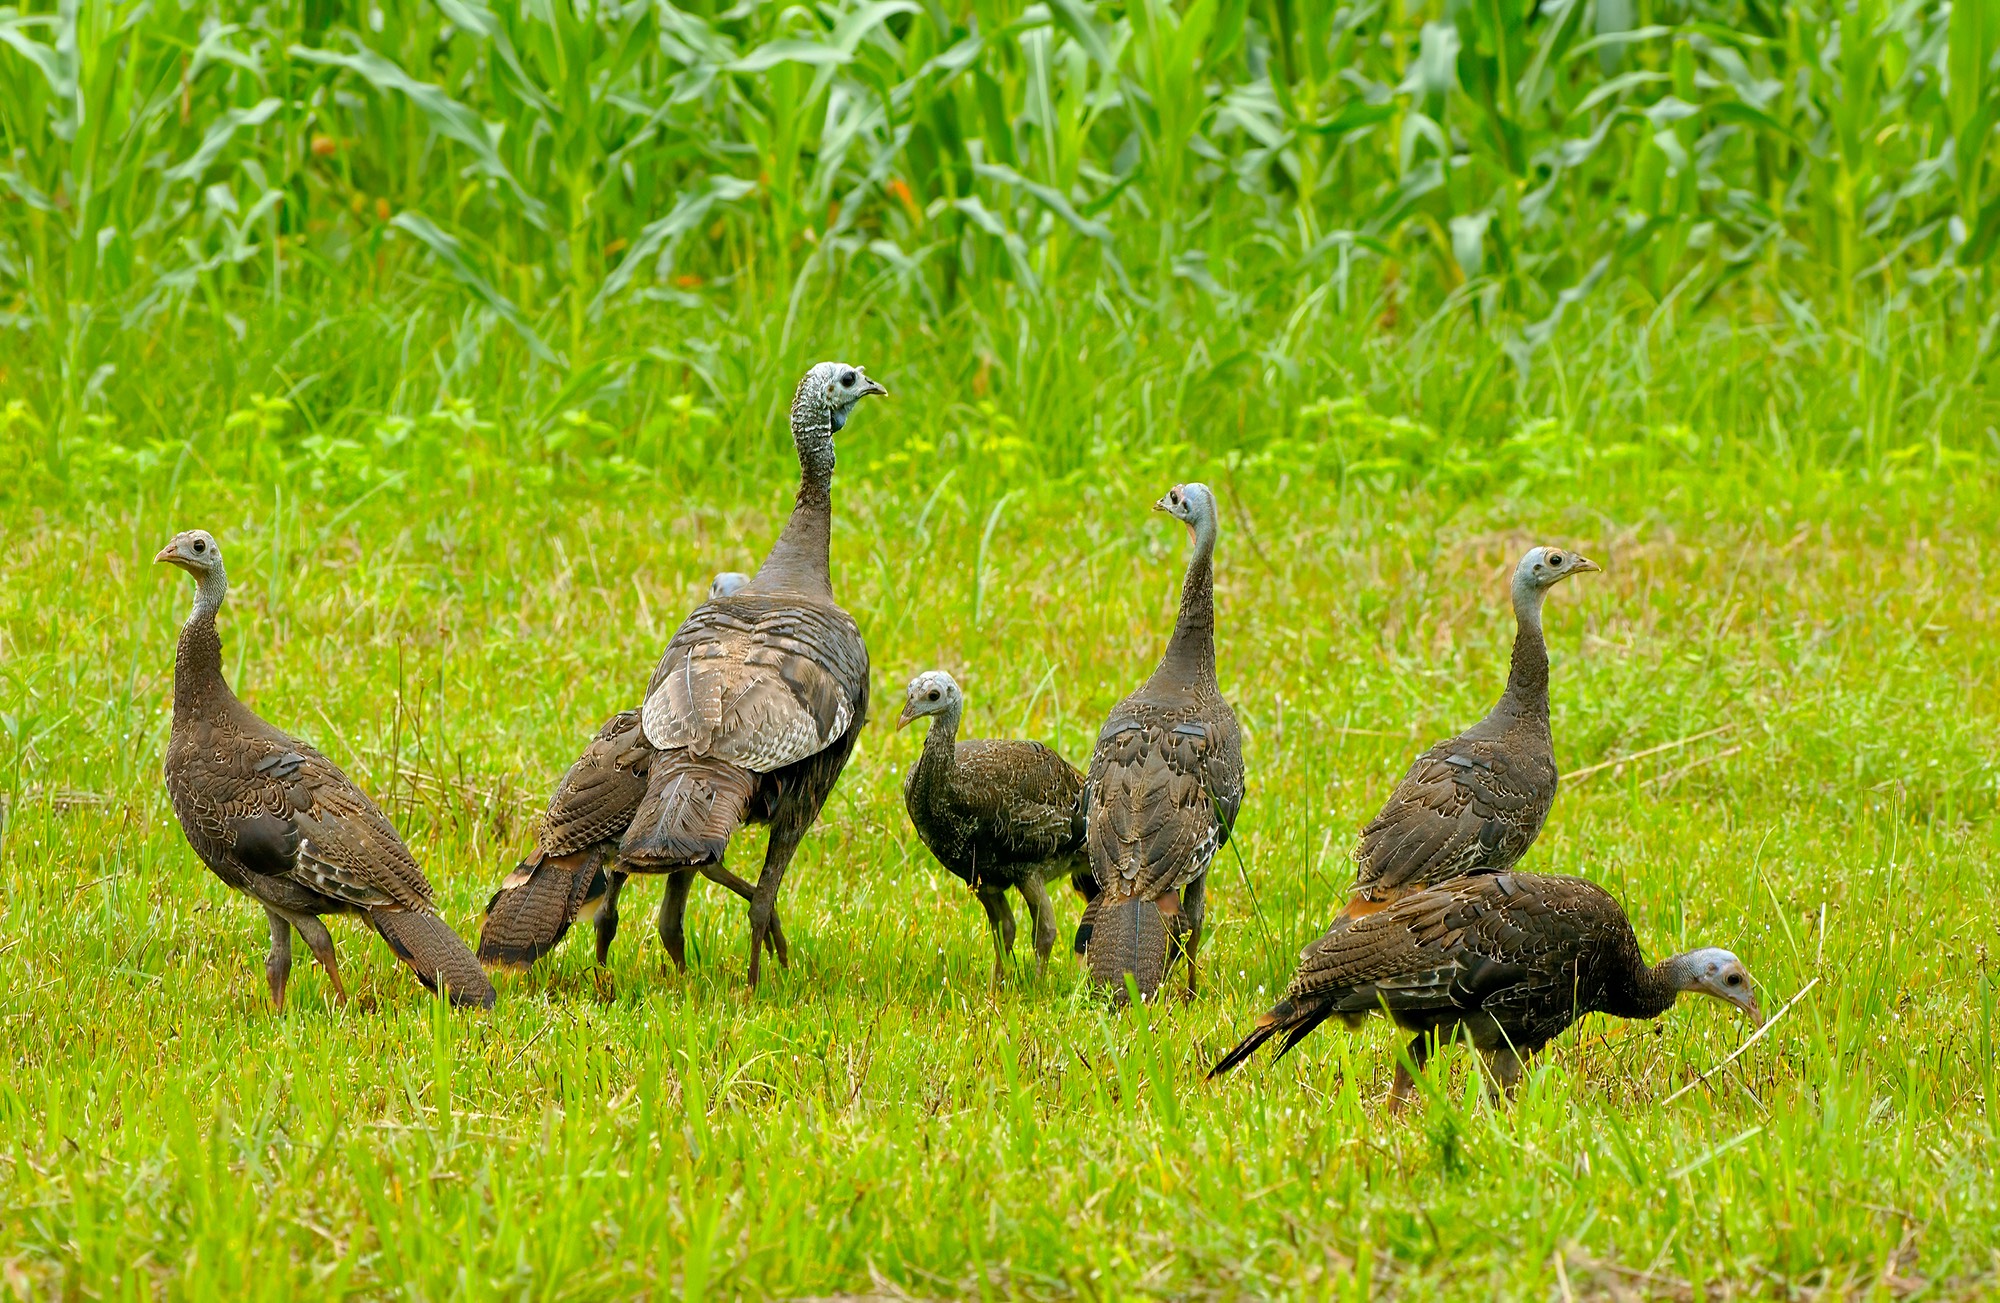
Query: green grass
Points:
[449, 606]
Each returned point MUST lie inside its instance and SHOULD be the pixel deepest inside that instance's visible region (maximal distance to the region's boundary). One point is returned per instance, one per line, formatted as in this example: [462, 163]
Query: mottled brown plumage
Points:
[278, 821]
[1506, 960]
[1166, 781]
[568, 873]
[1476, 802]
[760, 696]
[574, 871]
[997, 813]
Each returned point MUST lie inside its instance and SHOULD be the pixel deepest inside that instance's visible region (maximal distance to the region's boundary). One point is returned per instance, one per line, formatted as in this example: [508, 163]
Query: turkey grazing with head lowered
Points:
[275, 819]
[1508, 960]
[996, 813]
[1166, 781]
[1475, 803]
[758, 700]
[573, 868]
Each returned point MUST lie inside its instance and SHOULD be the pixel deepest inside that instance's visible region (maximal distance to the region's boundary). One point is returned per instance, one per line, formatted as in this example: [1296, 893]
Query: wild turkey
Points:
[572, 870]
[1475, 803]
[758, 700]
[996, 813]
[1165, 784]
[1508, 960]
[275, 819]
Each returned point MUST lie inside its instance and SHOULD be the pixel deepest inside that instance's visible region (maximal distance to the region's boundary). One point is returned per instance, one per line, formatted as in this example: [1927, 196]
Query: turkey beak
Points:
[872, 386]
[1585, 565]
[167, 554]
[1751, 1010]
[1162, 505]
[909, 713]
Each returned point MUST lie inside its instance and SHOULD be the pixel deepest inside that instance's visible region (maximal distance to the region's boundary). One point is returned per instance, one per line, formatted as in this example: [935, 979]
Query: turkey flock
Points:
[753, 711]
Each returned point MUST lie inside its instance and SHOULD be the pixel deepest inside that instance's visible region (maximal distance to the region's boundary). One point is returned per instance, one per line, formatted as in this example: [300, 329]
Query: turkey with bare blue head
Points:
[278, 821]
[757, 702]
[1504, 960]
[998, 813]
[1165, 784]
[1475, 803]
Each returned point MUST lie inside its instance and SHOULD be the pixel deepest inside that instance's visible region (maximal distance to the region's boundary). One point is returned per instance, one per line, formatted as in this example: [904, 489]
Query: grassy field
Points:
[1801, 642]
[469, 330]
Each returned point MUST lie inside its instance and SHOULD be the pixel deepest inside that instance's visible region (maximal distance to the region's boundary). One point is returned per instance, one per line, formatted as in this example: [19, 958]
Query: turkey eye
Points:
[1555, 558]
[200, 546]
[1735, 979]
[934, 695]
[847, 380]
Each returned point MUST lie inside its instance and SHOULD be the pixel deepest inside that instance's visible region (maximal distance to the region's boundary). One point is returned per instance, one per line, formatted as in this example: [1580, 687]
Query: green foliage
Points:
[575, 171]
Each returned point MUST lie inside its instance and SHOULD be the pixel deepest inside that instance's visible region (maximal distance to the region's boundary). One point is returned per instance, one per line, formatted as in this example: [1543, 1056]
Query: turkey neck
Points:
[799, 560]
[1190, 653]
[1652, 988]
[940, 755]
[1528, 675]
[198, 680]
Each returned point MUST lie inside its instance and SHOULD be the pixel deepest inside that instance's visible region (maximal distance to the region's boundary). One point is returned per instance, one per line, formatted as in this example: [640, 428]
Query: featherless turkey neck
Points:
[1189, 660]
[801, 560]
[1527, 695]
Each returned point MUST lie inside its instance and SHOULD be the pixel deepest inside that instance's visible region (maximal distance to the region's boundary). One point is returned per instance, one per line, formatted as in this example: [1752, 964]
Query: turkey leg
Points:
[1000, 923]
[1406, 1085]
[606, 922]
[1503, 1074]
[763, 901]
[1044, 914]
[673, 914]
[278, 964]
[774, 940]
[321, 945]
[1085, 886]
[1194, 907]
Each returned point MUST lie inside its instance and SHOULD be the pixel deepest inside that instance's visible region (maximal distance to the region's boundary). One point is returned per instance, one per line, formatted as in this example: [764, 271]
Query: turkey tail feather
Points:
[536, 905]
[1300, 1024]
[1284, 1016]
[1086, 923]
[692, 805]
[437, 954]
[1267, 1027]
[1127, 936]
